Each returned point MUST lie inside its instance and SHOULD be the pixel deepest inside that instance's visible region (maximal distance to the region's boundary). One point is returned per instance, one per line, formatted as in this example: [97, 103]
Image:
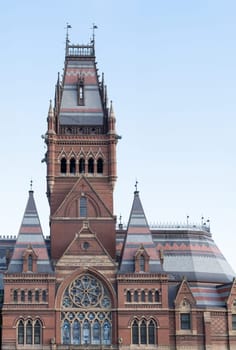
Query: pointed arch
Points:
[81, 165]
[63, 163]
[72, 165]
[135, 332]
[100, 166]
[90, 165]
[29, 332]
[21, 332]
[37, 332]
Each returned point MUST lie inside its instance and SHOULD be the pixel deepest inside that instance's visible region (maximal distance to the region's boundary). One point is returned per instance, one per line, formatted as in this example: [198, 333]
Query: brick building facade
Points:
[92, 285]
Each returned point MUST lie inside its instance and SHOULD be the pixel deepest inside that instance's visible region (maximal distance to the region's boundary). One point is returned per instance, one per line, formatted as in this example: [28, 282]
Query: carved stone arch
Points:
[99, 154]
[79, 273]
[61, 155]
[72, 154]
[72, 208]
[90, 154]
[81, 154]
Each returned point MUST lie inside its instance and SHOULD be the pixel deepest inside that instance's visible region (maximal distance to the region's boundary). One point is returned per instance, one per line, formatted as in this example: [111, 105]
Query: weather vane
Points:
[68, 26]
[93, 34]
[136, 186]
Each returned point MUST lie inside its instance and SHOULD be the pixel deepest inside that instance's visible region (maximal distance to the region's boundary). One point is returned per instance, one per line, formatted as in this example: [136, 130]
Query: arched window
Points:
[30, 263]
[72, 166]
[86, 332]
[76, 333]
[128, 296]
[36, 296]
[29, 296]
[143, 332]
[143, 297]
[37, 332]
[81, 166]
[135, 333]
[100, 166]
[63, 165]
[22, 296]
[96, 336]
[157, 296]
[66, 332]
[29, 332]
[86, 313]
[106, 333]
[44, 296]
[135, 295]
[151, 332]
[83, 207]
[21, 332]
[150, 297]
[15, 296]
[90, 166]
[141, 263]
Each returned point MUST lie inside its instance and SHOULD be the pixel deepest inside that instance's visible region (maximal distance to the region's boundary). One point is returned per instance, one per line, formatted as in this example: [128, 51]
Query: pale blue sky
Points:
[170, 67]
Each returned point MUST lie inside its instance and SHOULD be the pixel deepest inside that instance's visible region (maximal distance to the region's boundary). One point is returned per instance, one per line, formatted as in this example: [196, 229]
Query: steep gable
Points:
[70, 207]
[139, 237]
[85, 251]
[30, 241]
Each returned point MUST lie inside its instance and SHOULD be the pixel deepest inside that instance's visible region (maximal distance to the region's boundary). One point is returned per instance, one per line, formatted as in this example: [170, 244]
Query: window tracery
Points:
[86, 312]
[143, 332]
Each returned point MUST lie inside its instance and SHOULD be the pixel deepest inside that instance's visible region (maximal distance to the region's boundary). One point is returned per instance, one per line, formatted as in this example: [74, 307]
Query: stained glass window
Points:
[86, 314]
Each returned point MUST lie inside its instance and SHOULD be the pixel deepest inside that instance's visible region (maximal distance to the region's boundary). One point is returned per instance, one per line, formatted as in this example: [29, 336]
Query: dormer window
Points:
[141, 263]
[29, 260]
[81, 92]
[141, 260]
[30, 263]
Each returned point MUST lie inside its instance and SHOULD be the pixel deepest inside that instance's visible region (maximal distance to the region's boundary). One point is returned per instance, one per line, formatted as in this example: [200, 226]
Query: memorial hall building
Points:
[93, 283]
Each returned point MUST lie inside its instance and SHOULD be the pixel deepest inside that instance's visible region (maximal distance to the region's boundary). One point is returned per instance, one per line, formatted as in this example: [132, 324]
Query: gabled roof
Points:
[138, 235]
[30, 237]
[85, 251]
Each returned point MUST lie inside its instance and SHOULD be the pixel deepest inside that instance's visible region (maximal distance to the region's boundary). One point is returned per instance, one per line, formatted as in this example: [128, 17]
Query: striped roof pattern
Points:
[210, 295]
[91, 112]
[138, 236]
[30, 236]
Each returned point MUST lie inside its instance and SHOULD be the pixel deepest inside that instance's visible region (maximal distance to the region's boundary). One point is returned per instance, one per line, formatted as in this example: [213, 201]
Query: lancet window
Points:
[29, 332]
[144, 332]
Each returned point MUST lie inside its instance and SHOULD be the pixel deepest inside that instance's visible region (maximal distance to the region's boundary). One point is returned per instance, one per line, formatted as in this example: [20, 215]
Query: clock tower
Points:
[81, 153]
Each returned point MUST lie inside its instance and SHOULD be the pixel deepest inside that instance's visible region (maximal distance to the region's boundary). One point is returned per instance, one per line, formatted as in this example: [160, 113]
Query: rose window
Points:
[86, 314]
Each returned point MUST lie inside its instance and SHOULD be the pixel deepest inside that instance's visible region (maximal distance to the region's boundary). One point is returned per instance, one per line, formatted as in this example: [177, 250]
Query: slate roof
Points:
[80, 63]
[30, 235]
[138, 235]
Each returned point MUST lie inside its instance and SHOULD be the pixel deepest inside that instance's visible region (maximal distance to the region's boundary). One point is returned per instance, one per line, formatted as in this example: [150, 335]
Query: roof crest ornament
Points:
[31, 185]
[136, 187]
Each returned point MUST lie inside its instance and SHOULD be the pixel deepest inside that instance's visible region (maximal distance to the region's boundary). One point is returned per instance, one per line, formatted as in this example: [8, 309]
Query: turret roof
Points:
[138, 237]
[30, 237]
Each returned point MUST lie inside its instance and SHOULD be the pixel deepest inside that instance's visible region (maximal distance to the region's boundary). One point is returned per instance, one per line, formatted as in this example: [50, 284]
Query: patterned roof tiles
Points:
[138, 235]
[30, 237]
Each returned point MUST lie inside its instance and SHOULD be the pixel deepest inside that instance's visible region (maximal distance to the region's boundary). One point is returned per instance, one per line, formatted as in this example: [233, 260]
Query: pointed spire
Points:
[30, 233]
[138, 236]
[50, 110]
